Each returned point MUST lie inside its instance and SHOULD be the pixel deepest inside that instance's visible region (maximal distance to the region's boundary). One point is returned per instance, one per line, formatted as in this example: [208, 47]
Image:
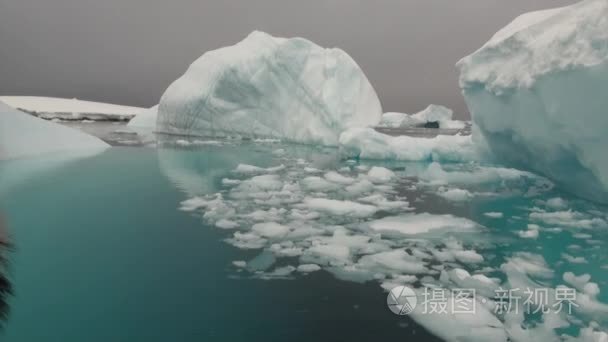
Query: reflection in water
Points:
[198, 169]
[6, 288]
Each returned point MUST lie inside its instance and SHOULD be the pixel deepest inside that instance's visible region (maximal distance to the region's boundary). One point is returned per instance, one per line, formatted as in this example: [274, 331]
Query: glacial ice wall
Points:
[264, 86]
[537, 93]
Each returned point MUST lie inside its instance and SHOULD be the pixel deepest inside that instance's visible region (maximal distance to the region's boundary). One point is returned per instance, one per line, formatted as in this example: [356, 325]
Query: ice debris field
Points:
[517, 206]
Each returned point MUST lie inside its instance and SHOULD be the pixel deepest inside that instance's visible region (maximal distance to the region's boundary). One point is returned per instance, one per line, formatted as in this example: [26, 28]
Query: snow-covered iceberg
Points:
[537, 92]
[264, 86]
[433, 115]
[23, 135]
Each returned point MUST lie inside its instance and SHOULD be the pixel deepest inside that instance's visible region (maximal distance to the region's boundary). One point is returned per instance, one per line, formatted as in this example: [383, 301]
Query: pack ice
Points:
[265, 86]
[537, 92]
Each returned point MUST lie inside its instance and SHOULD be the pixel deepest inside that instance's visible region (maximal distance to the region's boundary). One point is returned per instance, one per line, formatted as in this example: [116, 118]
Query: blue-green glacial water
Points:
[180, 243]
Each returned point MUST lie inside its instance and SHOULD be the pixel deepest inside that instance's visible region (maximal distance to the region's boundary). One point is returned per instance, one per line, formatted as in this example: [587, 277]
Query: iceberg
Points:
[23, 135]
[537, 93]
[290, 89]
[434, 116]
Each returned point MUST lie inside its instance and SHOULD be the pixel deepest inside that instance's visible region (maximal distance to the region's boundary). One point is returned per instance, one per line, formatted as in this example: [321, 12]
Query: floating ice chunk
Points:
[493, 214]
[455, 195]
[339, 208]
[317, 184]
[270, 230]
[247, 240]
[393, 261]
[582, 283]
[536, 93]
[422, 223]
[264, 86]
[367, 143]
[383, 203]
[379, 175]
[568, 218]
[226, 224]
[335, 177]
[308, 268]
[251, 169]
[257, 184]
[360, 187]
[240, 263]
[523, 266]
[574, 260]
[230, 182]
[328, 255]
[272, 214]
[468, 257]
[478, 175]
[531, 233]
[454, 326]
[23, 135]
[557, 203]
[463, 279]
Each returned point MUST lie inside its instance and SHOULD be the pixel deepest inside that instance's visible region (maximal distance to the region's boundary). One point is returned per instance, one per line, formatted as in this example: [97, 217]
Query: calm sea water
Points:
[101, 253]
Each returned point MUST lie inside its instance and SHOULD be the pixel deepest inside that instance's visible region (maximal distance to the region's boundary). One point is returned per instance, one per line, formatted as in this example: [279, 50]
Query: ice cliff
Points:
[537, 92]
[264, 86]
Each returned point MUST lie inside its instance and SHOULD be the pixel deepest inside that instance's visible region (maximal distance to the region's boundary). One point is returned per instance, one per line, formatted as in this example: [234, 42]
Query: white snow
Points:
[366, 143]
[23, 135]
[536, 93]
[264, 86]
[74, 109]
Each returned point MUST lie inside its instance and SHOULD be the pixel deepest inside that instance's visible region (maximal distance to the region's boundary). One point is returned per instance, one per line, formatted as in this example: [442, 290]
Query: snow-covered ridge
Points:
[538, 43]
[264, 86]
[70, 109]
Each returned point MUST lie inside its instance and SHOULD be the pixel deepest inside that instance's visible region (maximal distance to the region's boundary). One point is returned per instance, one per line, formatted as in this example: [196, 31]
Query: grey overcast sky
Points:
[129, 51]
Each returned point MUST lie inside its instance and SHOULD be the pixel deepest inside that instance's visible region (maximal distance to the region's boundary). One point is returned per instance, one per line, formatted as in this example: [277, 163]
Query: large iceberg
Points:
[264, 86]
[537, 92]
[23, 135]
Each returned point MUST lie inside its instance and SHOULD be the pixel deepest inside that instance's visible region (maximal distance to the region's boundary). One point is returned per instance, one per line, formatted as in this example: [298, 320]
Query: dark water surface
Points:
[101, 253]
